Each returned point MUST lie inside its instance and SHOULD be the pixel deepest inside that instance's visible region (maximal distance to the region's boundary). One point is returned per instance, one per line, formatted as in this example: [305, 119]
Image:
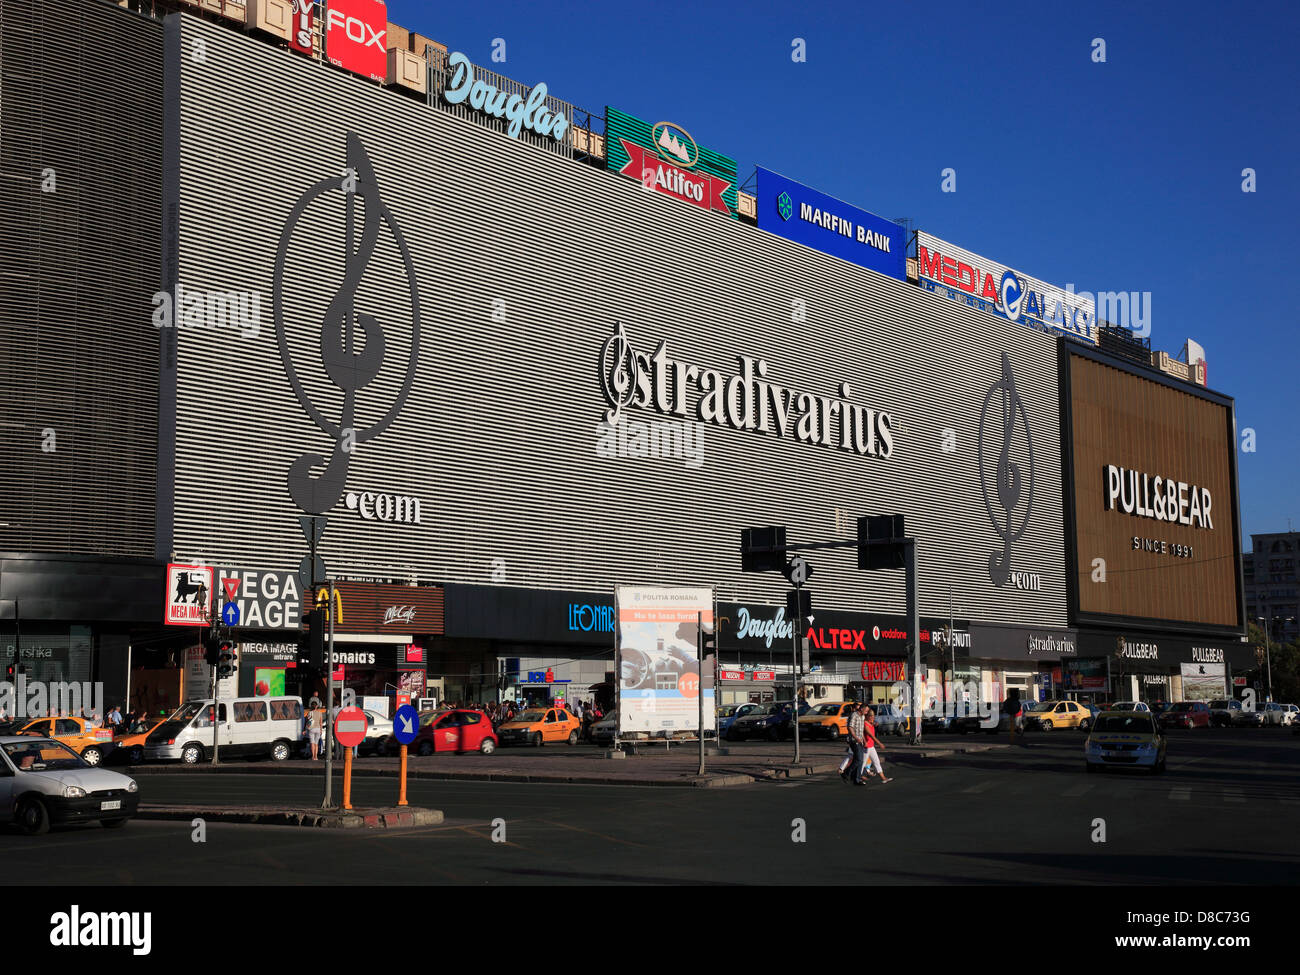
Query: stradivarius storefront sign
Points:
[521, 112]
[749, 399]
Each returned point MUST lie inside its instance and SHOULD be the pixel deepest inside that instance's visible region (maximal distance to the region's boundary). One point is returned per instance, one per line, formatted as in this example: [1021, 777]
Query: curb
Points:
[707, 782]
[324, 818]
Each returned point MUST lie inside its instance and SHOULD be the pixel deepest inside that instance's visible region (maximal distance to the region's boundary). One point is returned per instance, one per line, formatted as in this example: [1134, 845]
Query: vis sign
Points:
[977, 282]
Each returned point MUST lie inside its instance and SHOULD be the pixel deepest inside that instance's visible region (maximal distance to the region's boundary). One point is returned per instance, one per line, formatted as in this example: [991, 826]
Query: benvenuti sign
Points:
[666, 160]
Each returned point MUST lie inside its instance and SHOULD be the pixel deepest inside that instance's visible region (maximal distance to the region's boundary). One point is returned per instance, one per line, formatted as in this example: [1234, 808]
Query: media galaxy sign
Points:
[977, 282]
[796, 212]
[666, 160]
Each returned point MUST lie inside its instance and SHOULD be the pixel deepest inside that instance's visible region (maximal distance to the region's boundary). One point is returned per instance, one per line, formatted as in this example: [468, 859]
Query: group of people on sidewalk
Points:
[864, 748]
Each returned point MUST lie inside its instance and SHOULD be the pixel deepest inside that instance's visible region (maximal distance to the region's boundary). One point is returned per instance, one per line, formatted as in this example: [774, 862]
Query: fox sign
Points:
[355, 32]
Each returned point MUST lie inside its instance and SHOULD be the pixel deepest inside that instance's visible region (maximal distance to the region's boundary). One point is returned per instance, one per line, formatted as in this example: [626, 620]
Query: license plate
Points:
[111, 804]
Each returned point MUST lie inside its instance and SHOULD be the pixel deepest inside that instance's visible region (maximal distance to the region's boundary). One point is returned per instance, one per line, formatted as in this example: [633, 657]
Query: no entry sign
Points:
[350, 727]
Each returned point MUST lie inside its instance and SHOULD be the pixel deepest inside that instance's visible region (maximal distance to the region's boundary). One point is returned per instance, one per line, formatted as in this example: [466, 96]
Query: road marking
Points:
[1078, 790]
[979, 787]
[1183, 794]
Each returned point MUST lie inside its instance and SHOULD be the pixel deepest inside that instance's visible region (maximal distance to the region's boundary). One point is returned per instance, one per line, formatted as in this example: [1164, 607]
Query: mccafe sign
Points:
[745, 400]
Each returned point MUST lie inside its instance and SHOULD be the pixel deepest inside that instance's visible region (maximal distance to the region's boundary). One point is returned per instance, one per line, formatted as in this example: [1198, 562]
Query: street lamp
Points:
[1268, 650]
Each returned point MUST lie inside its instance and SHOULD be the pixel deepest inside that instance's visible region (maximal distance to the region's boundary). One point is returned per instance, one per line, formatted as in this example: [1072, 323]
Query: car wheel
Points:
[192, 754]
[113, 823]
[33, 818]
[279, 751]
[424, 748]
[487, 746]
[136, 755]
[1045, 725]
[537, 739]
[834, 734]
[92, 756]
[573, 737]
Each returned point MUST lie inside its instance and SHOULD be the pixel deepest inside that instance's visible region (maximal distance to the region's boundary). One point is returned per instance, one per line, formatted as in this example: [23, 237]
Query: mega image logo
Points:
[1006, 469]
[342, 339]
[354, 37]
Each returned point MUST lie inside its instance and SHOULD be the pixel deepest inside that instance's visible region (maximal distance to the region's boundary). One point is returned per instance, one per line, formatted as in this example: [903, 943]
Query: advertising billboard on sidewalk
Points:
[1204, 682]
[659, 679]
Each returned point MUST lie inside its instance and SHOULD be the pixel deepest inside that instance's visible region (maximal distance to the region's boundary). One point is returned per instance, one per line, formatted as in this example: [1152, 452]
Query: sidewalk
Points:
[653, 765]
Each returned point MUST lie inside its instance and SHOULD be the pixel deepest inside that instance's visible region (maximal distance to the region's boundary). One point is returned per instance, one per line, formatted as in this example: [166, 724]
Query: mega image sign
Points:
[796, 212]
[665, 159]
[977, 282]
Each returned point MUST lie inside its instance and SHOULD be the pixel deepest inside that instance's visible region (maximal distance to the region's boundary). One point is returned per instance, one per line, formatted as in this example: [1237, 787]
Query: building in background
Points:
[1272, 583]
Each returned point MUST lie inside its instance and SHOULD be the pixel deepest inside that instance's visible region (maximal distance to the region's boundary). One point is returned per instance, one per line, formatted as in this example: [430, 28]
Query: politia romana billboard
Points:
[658, 657]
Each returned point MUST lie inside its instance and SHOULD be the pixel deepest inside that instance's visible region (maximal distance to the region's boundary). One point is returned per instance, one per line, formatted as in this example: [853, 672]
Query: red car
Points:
[458, 730]
[1186, 714]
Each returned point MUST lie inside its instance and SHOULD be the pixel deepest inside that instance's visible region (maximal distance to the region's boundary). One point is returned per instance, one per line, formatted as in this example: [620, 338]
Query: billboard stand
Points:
[699, 692]
[616, 747]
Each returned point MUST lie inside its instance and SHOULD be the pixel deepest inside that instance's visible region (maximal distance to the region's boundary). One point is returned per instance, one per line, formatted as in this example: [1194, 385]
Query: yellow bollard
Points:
[347, 778]
[401, 795]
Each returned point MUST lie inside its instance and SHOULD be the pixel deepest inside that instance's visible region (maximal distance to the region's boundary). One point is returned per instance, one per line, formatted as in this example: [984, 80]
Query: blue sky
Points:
[1122, 176]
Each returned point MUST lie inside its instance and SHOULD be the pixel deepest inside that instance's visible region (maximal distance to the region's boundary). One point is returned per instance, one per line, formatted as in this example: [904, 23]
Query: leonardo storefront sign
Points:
[801, 214]
[747, 400]
[666, 160]
[659, 677]
[976, 281]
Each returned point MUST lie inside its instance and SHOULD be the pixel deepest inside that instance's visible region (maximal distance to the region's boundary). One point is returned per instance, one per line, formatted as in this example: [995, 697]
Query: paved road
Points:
[1224, 813]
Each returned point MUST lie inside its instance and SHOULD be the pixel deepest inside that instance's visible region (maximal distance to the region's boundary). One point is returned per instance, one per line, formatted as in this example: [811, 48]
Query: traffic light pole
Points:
[914, 634]
[329, 705]
[216, 688]
[794, 684]
[699, 694]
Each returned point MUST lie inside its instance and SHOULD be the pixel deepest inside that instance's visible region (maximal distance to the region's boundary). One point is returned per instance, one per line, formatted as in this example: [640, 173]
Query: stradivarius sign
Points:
[747, 400]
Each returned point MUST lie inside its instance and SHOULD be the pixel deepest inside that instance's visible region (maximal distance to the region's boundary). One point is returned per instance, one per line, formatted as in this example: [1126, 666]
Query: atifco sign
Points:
[977, 282]
[801, 214]
[665, 159]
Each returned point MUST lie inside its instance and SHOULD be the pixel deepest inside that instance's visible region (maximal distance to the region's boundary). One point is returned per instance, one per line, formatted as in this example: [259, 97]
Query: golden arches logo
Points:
[323, 602]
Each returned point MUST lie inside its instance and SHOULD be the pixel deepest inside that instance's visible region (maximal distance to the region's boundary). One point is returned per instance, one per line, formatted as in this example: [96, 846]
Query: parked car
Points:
[454, 730]
[973, 721]
[129, 748]
[770, 721]
[1085, 724]
[605, 730]
[728, 713]
[379, 733]
[892, 719]
[1244, 717]
[1129, 706]
[1186, 714]
[43, 782]
[269, 726]
[91, 743]
[1125, 739]
[537, 726]
[1223, 713]
[1052, 715]
[826, 721]
[1279, 715]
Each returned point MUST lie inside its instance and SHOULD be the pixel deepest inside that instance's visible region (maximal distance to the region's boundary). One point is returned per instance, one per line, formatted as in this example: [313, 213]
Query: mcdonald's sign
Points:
[323, 603]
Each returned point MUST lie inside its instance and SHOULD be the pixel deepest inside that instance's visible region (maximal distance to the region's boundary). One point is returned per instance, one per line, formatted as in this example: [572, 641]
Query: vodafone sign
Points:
[355, 32]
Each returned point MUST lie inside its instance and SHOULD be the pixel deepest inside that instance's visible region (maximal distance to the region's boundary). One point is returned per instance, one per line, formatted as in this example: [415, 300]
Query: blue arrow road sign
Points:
[406, 724]
[230, 614]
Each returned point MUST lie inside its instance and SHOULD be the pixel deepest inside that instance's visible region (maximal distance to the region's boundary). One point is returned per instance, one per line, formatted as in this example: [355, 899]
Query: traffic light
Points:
[9, 671]
[880, 542]
[315, 640]
[762, 549]
[226, 658]
[798, 604]
[212, 649]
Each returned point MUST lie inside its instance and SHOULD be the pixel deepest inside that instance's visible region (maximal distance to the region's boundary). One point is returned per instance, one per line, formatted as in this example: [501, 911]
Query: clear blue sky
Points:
[1122, 176]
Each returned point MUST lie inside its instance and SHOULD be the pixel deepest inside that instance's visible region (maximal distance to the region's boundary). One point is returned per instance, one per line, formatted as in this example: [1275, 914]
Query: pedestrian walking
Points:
[315, 727]
[870, 745]
[857, 729]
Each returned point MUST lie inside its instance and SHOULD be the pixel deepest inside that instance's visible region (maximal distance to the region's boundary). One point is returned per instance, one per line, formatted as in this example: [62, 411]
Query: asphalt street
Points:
[1224, 813]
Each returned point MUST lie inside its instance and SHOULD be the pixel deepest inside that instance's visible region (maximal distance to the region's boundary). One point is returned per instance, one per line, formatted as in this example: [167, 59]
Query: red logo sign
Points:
[702, 189]
[231, 585]
[300, 29]
[189, 595]
[829, 638]
[414, 654]
[354, 36]
[731, 675]
[763, 675]
[890, 671]
[688, 685]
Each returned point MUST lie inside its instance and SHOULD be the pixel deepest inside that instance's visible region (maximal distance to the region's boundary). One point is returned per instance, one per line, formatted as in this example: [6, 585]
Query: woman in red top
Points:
[871, 756]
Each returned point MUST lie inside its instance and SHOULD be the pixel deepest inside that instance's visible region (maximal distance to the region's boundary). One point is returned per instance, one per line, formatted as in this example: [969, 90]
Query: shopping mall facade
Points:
[512, 366]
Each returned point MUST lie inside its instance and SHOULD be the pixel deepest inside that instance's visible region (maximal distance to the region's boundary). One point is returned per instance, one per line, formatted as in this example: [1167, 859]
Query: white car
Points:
[44, 782]
[379, 734]
[1279, 714]
[1130, 706]
[603, 731]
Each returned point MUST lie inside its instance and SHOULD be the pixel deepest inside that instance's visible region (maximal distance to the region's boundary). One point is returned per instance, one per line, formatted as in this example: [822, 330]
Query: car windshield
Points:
[728, 711]
[429, 717]
[531, 716]
[829, 709]
[1182, 706]
[1042, 706]
[1128, 724]
[43, 755]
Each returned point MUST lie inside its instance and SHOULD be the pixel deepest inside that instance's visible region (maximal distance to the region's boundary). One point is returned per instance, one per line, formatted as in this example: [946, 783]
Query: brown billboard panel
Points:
[1154, 498]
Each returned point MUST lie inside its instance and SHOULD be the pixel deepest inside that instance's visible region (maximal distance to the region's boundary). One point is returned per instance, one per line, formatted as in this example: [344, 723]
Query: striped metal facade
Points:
[498, 438]
[80, 176]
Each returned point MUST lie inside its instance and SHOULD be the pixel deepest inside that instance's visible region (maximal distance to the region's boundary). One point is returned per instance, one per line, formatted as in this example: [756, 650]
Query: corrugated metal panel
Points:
[620, 125]
[80, 173]
[498, 438]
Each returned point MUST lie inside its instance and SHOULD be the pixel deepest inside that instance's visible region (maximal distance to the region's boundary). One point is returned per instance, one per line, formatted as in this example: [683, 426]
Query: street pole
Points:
[914, 633]
[1268, 650]
[699, 654]
[794, 684]
[216, 688]
[329, 705]
[952, 651]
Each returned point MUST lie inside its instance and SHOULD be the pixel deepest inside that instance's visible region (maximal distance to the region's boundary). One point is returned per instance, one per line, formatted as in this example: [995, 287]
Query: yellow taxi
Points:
[826, 721]
[537, 726]
[91, 743]
[1048, 715]
[1125, 739]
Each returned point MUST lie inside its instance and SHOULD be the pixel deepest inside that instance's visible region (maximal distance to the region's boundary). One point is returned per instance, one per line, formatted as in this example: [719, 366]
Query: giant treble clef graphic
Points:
[347, 368]
[1012, 489]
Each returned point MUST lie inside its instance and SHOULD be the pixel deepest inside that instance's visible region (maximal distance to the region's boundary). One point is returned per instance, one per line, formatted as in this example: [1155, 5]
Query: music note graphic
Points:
[1013, 488]
[352, 342]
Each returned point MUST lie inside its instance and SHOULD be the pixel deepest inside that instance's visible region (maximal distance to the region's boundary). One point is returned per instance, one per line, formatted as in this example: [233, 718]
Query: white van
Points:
[245, 726]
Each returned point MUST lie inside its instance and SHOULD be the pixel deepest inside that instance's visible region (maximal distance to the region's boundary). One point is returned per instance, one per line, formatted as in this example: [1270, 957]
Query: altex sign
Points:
[665, 159]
